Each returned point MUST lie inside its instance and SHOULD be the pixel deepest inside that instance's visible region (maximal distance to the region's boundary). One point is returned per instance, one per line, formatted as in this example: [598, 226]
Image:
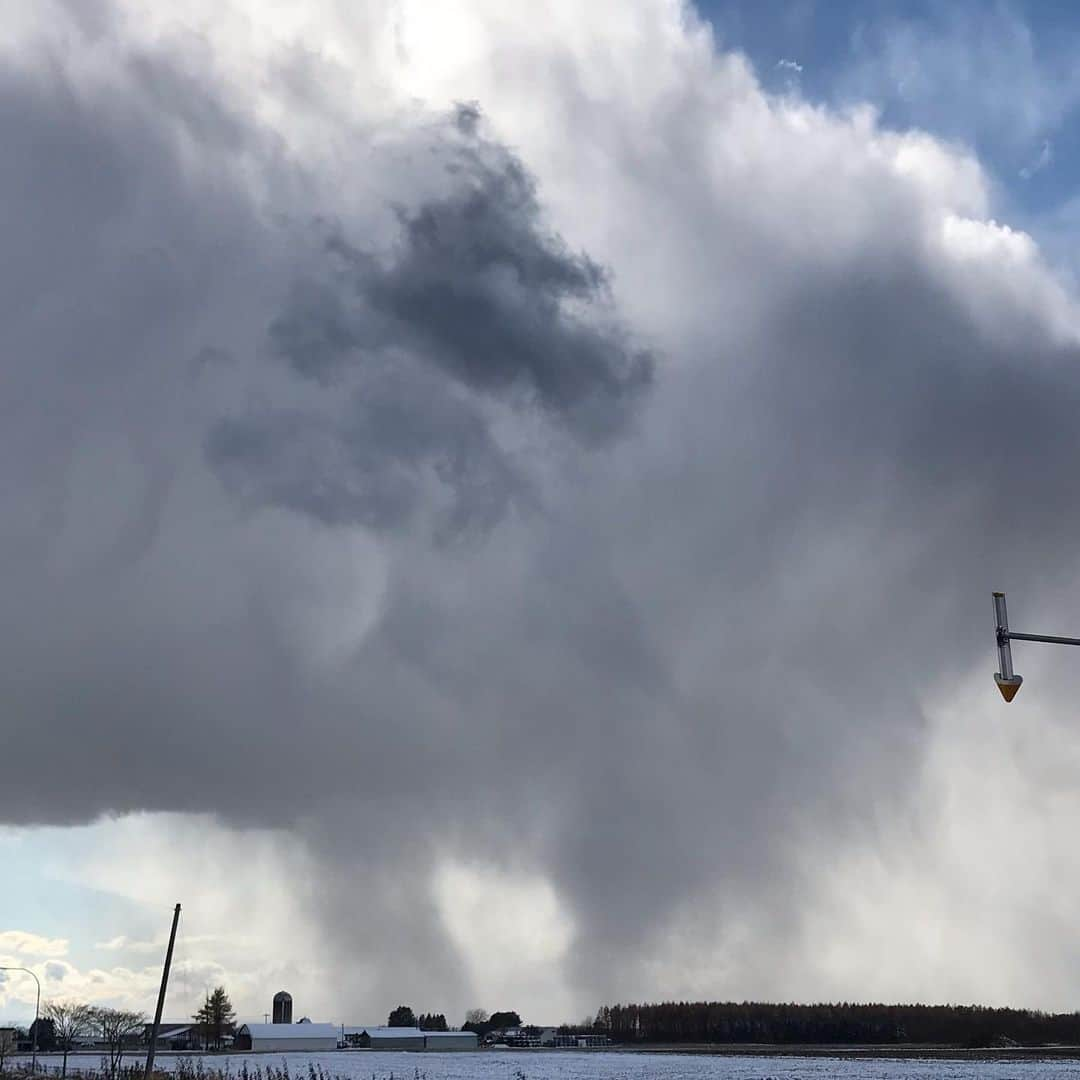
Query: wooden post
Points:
[161, 997]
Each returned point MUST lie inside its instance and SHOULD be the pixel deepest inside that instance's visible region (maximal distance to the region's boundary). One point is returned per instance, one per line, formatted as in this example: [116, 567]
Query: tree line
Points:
[64, 1025]
[759, 1022]
[403, 1016]
[477, 1020]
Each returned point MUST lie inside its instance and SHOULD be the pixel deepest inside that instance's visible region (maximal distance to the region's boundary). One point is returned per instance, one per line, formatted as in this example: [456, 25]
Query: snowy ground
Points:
[569, 1065]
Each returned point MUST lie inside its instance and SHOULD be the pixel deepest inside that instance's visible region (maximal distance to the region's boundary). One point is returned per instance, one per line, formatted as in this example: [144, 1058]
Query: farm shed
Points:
[285, 1037]
[384, 1038]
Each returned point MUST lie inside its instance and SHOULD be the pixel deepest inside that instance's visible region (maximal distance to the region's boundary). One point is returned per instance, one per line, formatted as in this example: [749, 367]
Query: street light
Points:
[1008, 682]
[37, 1009]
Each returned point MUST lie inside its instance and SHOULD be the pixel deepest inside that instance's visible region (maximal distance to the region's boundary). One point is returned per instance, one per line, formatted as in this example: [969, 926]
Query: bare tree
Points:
[118, 1026]
[71, 1020]
[476, 1016]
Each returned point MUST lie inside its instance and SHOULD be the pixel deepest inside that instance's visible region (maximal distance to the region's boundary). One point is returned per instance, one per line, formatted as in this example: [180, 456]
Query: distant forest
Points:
[753, 1022]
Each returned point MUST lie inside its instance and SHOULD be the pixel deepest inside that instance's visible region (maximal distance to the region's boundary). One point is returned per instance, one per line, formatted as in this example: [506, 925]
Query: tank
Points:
[282, 1007]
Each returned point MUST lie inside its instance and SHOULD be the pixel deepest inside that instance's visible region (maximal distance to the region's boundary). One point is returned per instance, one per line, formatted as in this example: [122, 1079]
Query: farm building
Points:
[384, 1038]
[406, 1038]
[282, 1037]
[450, 1040]
[175, 1036]
[283, 1007]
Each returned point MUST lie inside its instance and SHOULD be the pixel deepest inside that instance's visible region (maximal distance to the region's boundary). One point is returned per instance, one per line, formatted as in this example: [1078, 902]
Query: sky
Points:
[996, 77]
[503, 503]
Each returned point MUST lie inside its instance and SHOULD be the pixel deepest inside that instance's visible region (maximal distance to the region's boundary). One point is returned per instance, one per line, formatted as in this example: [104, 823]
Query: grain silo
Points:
[282, 1007]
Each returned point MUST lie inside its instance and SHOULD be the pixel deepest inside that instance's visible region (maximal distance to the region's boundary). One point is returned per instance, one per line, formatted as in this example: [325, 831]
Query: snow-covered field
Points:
[569, 1065]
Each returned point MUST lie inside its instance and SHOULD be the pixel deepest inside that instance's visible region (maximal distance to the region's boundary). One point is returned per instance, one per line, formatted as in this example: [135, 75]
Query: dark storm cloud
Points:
[479, 286]
[474, 295]
[696, 668]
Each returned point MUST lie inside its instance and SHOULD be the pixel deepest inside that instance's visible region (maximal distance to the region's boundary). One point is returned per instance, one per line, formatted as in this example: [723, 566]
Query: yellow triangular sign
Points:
[1008, 687]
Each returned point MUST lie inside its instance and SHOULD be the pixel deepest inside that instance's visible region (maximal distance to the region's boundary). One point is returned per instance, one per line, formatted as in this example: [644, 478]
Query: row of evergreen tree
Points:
[403, 1016]
[757, 1022]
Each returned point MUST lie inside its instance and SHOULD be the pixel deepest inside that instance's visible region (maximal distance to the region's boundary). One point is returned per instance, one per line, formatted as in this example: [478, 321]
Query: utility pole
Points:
[1008, 682]
[161, 997]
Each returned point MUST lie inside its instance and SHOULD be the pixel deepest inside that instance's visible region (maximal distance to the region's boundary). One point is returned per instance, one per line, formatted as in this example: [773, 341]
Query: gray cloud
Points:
[477, 286]
[406, 438]
[697, 666]
[474, 294]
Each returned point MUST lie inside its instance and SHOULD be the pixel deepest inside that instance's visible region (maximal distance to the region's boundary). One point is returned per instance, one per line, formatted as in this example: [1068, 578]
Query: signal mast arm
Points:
[1008, 682]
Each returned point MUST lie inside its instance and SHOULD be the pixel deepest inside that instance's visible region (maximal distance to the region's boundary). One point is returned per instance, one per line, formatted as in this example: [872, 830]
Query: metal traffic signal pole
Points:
[1008, 682]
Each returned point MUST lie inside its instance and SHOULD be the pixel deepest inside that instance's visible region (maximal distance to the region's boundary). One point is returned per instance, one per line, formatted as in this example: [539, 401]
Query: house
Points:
[285, 1037]
[593, 1041]
[90, 1040]
[175, 1036]
[450, 1040]
[384, 1038]
[523, 1037]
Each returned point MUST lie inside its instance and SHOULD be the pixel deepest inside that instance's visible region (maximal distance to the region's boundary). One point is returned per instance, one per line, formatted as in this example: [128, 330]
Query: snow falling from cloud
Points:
[462, 454]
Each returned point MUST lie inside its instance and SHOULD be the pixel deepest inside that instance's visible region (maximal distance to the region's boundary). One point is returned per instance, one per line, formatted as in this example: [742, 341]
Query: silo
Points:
[282, 1007]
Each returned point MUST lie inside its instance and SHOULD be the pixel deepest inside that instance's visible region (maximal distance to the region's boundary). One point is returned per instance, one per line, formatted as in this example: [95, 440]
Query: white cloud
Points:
[119, 987]
[121, 943]
[23, 943]
[1041, 162]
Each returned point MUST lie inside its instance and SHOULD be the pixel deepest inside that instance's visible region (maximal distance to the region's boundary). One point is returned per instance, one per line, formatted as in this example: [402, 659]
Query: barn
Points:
[174, 1036]
[286, 1037]
[384, 1038]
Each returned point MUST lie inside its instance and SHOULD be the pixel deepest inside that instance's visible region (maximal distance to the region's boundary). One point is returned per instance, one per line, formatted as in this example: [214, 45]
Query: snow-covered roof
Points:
[290, 1031]
[380, 1032]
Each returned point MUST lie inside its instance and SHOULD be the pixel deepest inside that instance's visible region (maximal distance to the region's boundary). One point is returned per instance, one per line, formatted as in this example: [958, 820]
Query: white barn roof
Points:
[380, 1032]
[291, 1031]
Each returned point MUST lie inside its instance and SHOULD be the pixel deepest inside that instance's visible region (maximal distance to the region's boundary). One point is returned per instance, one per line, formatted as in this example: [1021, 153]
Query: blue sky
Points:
[999, 77]
[39, 902]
